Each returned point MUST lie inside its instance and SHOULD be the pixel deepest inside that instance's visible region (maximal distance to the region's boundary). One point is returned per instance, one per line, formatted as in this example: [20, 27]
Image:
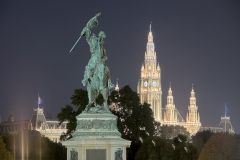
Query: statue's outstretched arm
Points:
[86, 32]
[93, 22]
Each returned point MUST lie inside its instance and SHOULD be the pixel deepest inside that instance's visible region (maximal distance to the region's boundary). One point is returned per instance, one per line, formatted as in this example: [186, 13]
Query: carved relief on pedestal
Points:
[74, 154]
[97, 124]
[118, 154]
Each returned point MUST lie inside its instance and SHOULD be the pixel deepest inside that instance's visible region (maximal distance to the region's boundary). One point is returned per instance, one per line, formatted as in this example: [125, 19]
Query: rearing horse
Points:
[97, 74]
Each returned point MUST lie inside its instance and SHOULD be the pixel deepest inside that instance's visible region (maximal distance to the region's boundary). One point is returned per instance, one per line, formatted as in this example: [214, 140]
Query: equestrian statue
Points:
[97, 76]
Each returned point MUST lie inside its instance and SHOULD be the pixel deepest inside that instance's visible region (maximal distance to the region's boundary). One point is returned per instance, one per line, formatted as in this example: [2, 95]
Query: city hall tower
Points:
[149, 85]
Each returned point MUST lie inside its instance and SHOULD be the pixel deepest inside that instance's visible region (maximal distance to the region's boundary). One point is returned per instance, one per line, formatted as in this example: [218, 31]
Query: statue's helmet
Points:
[101, 34]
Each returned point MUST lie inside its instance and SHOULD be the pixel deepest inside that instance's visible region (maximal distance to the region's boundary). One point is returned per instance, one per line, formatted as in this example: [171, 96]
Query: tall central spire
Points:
[150, 44]
[150, 54]
[149, 86]
[150, 27]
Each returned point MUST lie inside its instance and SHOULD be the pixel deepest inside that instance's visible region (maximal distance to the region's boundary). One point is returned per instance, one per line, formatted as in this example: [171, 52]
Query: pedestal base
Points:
[97, 149]
[96, 138]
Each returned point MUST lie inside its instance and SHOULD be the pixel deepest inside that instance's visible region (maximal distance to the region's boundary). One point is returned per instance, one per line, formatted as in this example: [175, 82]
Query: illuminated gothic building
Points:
[173, 117]
[149, 85]
[150, 91]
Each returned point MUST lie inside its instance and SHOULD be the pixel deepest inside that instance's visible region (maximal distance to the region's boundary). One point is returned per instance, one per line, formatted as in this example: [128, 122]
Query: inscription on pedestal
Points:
[96, 154]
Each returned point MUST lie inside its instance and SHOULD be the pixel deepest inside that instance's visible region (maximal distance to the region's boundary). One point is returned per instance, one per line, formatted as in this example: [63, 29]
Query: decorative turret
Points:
[142, 69]
[170, 97]
[192, 98]
[116, 87]
[226, 123]
[193, 118]
[149, 85]
[193, 115]
[38, 119]
[170, 116]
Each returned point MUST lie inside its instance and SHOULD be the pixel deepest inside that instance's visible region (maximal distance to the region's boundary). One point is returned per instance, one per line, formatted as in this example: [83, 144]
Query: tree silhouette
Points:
[221, 146]
[4, 153]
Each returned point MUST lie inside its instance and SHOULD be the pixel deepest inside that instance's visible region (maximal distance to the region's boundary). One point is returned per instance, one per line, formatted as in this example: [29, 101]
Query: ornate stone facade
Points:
[173, 117]
[47, 127]
[149, 85]
[170, 115]
[96, 126]
[150, 90]
[193, 123]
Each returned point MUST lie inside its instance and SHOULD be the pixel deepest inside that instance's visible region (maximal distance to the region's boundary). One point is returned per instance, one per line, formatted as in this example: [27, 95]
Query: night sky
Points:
[196, 42]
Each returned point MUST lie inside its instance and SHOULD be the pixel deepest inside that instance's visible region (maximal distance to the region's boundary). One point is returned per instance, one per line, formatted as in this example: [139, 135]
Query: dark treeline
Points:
[149, 140]
[32, 146]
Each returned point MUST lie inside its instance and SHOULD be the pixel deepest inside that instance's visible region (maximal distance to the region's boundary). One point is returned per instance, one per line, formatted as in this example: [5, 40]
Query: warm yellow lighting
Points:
[14, 147]
[40, 148]
[22, 144]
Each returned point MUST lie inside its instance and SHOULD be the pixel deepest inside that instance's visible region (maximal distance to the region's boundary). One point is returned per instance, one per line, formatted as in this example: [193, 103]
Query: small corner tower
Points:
[117, 87]
[114, 106]
[170, 116]
[193, 123]
[38, 119]
[225, 122]
[149, 85]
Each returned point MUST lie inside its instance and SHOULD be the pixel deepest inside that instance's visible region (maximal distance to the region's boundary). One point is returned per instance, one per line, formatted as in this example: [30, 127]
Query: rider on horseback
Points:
[97, 74]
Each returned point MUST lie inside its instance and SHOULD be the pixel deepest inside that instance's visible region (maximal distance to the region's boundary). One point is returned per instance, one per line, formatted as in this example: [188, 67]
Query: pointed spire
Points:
[39, 100]
[150, 36]
[193, 116]
[142, 67]
[226, 110]
[170, 97]
[117, 88]
[158, 67]
[192, 92]
[170, 90]
[150, 27]
[170, 113]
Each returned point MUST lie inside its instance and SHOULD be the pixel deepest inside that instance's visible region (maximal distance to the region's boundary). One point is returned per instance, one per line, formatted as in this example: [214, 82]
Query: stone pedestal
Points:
[96, 138]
